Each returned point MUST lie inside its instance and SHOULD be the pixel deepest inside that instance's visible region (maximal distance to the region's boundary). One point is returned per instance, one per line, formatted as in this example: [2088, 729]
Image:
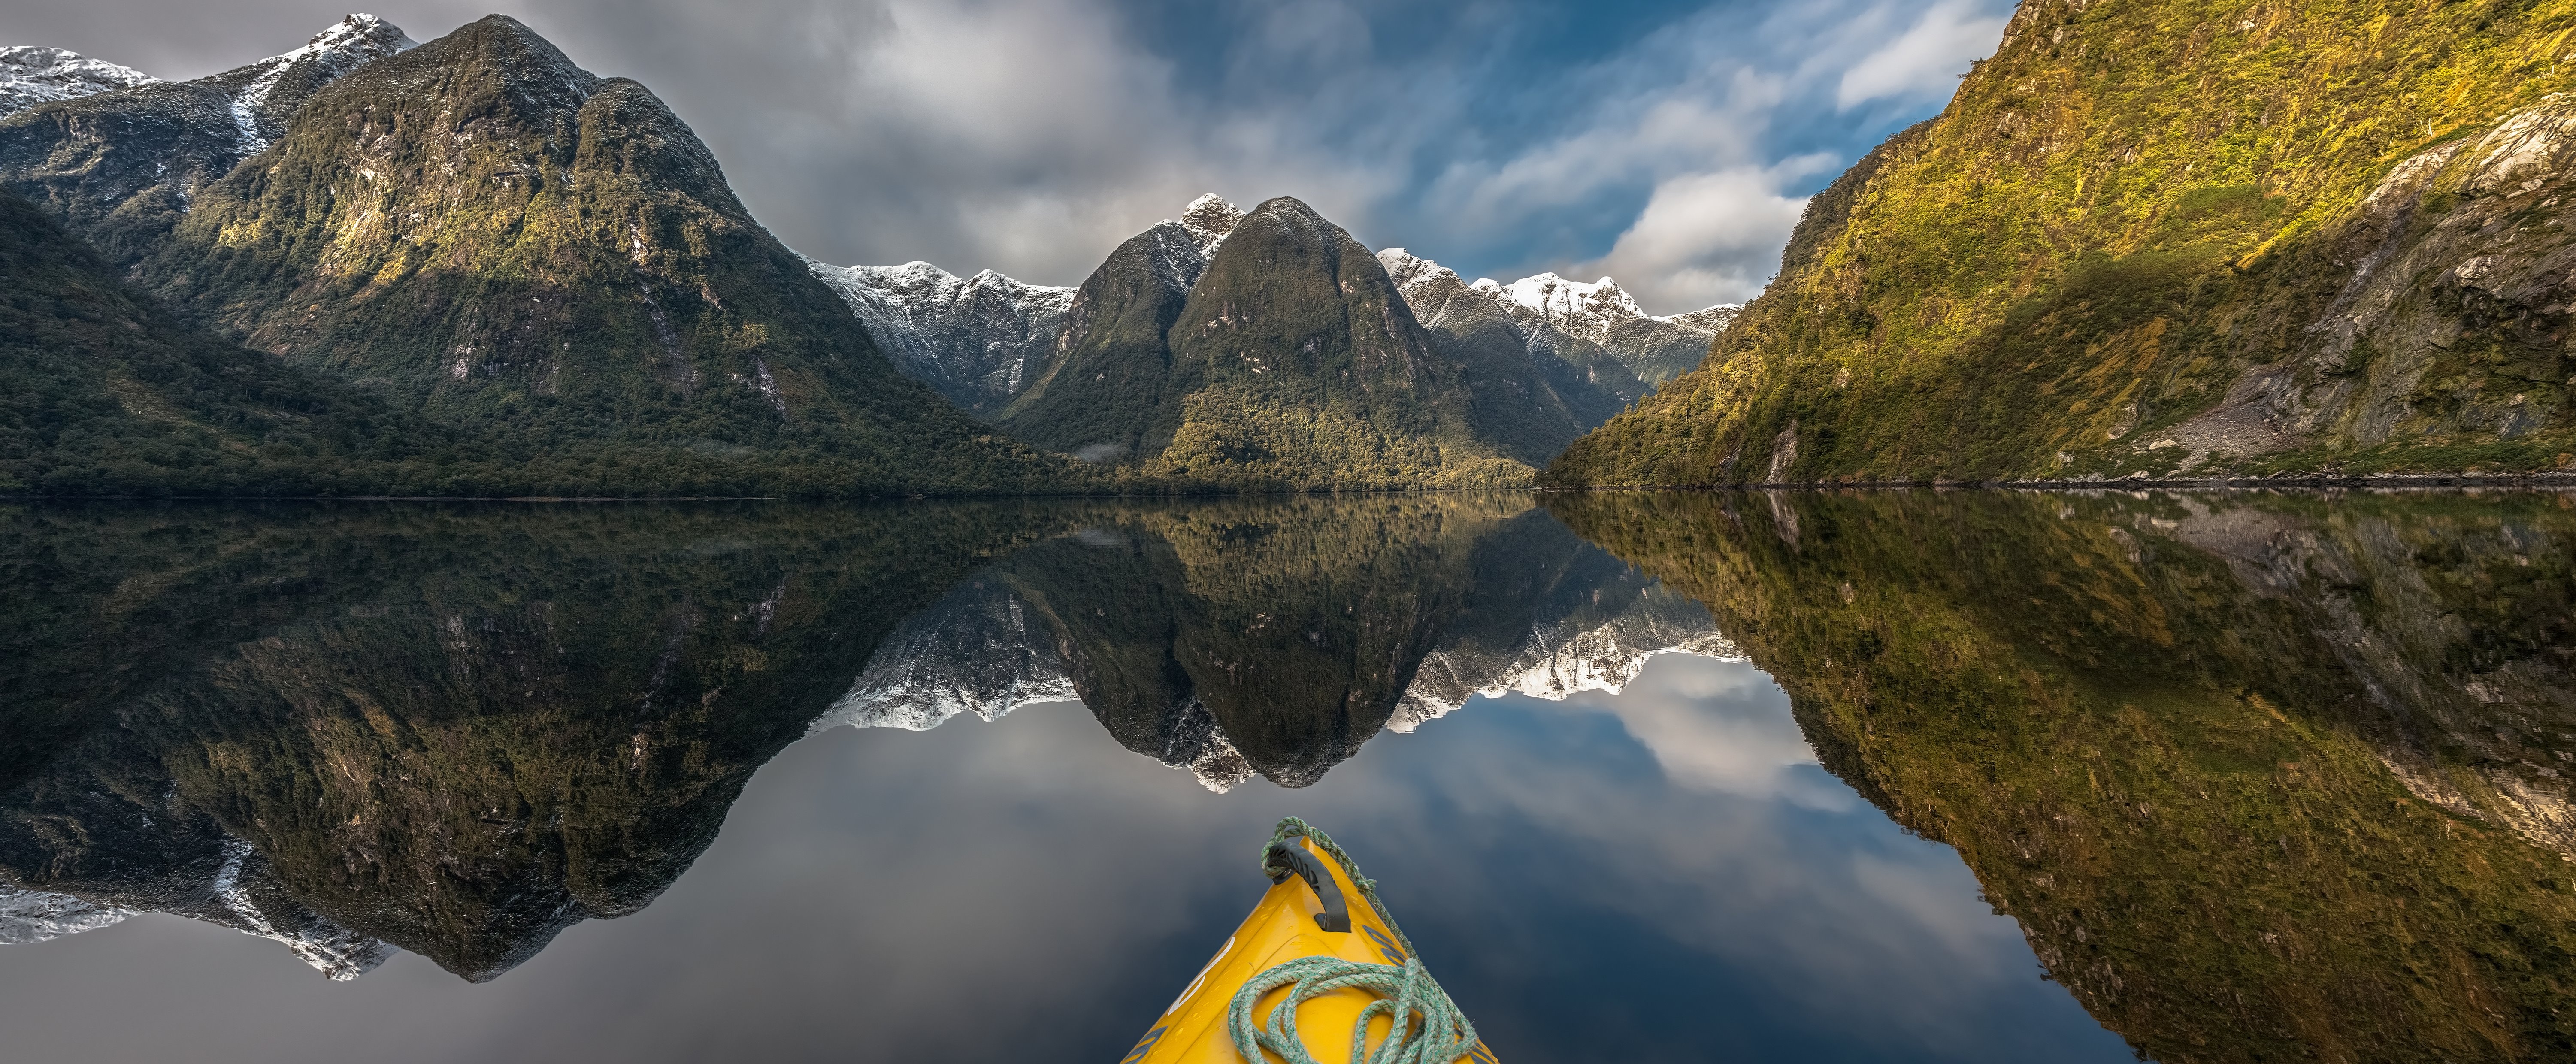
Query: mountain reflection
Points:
[1275, 637]
[2262, 777]
[459, 730]
[453, 730]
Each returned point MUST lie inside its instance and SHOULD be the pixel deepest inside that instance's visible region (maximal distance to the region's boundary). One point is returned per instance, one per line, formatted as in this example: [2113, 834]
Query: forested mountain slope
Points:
[100, 391]
[2170, 237]
[1273, 351]
[545, 263]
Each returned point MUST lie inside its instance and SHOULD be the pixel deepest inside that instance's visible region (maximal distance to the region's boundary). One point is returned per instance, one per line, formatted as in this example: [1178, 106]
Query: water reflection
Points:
[1276, 637]
[1803, 777]
[2262, 777]
[452, 730]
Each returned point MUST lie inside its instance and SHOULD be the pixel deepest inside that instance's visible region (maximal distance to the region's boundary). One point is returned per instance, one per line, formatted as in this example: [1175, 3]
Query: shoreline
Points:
[2564, 480]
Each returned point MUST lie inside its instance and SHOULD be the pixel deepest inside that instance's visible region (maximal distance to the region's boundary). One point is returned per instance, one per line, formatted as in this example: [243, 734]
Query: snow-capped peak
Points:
[1210, 218]
[336, 50]
[1591, 310]
[1409, 271]
[31, 75]
[978, 340]
[1563, 302]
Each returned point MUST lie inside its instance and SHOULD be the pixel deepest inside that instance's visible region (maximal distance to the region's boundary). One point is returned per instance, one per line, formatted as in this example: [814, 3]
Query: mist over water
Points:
[1892, 777]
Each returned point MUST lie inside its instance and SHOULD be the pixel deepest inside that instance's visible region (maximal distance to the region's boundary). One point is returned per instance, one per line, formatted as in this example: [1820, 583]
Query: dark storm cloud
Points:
[1669, 144]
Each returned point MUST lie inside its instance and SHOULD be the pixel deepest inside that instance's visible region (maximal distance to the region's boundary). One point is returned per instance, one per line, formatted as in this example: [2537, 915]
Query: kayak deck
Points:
[1283, 928]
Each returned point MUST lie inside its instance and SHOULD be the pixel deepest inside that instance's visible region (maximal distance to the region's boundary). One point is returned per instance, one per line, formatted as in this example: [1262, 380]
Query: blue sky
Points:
[1668, 144]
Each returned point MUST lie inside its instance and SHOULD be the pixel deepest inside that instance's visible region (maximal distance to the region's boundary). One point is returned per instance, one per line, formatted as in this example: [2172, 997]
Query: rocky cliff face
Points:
[2168, 238]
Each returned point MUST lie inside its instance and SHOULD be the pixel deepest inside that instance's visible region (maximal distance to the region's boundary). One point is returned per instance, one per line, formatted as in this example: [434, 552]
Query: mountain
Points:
[1273, 350]
[546, 262]
[103, 392]
[1112, 348]
[978, 341]
[122, 160]
[1544, 359]
[30, 75]
[2260, 779]
[1656, 349]
[2154, 238]
[1536, 388]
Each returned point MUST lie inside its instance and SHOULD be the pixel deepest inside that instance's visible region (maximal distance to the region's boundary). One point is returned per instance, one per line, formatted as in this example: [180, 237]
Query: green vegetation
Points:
[2262, 778]
[549, 268]
[102, 392]
[1292, 362]
[2168, 236]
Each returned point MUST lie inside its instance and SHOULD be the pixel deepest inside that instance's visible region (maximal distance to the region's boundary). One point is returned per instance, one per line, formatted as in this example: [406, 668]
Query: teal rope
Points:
[1427, 1027]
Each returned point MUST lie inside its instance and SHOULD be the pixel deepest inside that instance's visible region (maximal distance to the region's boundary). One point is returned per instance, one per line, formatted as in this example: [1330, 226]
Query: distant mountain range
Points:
[1513, 372]
[541, 282]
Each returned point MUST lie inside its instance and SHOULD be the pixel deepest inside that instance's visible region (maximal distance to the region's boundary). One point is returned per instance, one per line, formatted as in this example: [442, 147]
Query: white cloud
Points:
[1926, 59]
[1708, 238]
[1721, 727]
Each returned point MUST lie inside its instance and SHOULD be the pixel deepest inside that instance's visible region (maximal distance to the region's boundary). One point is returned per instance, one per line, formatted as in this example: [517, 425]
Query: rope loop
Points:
[1425, 1026]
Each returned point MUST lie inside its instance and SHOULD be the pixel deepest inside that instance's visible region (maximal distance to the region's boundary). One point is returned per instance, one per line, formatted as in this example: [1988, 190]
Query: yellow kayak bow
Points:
[1317, 974]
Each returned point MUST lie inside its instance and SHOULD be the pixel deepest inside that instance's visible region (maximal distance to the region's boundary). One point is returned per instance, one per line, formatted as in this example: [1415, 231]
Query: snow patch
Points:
[979, 338]
[331, 949]
[1557, 661]
[335, 51]
[1587, 311]
[31, 916]
[979, 650]
[32, 75]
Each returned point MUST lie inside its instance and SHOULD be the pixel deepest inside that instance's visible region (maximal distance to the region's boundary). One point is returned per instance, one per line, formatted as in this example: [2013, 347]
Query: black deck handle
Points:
[1336, 916]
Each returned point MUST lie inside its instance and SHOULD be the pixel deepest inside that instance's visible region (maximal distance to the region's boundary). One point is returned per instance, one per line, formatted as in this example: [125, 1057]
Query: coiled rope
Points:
[1426, 1027]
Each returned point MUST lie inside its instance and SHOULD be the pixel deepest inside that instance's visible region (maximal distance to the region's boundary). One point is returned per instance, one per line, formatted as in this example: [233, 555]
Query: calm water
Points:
[1888, 777]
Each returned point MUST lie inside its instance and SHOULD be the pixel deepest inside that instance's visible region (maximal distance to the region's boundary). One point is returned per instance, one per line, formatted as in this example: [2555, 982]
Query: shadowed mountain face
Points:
[2262, 777]
[1272, 349]
[454, 731]
[101, 390]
